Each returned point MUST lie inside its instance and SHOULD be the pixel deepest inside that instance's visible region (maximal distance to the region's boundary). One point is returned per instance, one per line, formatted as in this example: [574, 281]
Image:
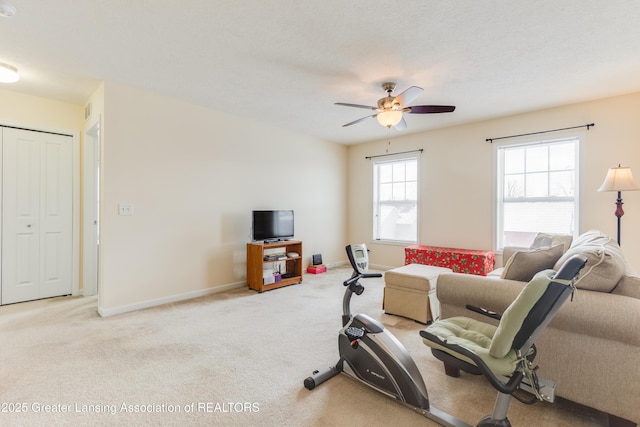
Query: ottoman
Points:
[410, 291]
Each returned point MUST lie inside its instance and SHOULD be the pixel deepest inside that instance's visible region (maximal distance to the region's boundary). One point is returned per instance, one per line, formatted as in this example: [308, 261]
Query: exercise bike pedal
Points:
[354, 333]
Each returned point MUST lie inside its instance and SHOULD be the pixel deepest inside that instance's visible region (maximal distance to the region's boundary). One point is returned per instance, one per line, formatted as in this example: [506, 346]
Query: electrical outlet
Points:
[125, 209]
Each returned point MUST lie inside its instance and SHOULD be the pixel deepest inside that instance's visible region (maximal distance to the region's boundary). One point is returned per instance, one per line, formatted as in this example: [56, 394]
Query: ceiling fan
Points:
[390, 109]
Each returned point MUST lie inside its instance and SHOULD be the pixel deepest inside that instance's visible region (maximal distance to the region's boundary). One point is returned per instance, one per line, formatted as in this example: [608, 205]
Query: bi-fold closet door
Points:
[36, 226]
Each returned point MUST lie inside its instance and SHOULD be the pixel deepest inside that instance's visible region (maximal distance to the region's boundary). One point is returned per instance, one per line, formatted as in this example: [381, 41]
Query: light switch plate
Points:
[125, 209]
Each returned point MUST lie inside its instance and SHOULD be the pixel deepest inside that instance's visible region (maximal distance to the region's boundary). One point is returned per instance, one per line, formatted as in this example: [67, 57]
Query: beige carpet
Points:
[237, 358]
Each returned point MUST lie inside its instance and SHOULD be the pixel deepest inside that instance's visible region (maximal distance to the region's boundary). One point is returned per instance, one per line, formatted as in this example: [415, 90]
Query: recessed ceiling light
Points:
[8, 73]
[7, 10]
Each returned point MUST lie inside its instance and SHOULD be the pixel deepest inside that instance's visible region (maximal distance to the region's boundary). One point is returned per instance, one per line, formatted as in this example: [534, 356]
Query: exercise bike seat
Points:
[505, 350]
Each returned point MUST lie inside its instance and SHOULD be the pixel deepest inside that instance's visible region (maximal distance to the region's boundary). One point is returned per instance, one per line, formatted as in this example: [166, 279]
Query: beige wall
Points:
[193, 176]
[457, 176]
[37, 112]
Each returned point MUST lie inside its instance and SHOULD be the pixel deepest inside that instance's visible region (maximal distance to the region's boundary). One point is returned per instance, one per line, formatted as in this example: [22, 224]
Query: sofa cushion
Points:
[605, 262]
[628, 286]
[523, 265]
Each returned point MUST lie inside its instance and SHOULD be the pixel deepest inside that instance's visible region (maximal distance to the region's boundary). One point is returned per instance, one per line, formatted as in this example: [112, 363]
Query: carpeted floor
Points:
[236, 358]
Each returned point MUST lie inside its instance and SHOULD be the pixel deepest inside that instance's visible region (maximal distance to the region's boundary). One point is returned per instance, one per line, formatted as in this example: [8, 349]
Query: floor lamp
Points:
[619, 179]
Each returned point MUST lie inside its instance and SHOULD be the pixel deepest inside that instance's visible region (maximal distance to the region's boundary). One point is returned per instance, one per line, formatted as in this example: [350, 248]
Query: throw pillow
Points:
[546, 239]
[523, 265]
[541, 241]
[605, 262]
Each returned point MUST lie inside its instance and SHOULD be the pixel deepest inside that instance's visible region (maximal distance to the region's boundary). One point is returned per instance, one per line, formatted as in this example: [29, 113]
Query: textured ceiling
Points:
[287, 61]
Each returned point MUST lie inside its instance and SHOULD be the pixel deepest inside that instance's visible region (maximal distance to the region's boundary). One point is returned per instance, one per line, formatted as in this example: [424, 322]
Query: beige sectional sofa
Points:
[591, 350]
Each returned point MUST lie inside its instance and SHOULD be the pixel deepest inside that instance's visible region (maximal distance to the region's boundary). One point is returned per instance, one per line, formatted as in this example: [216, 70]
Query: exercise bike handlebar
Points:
[358, 276]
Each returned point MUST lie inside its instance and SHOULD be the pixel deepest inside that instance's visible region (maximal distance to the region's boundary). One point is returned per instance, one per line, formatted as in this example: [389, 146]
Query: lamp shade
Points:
[619, 179]
[8, 73]
[389, 118]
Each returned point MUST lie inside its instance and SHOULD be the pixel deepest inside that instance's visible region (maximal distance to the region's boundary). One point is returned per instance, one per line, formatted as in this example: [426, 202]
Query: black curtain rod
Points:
[393, 154]
[536, 133]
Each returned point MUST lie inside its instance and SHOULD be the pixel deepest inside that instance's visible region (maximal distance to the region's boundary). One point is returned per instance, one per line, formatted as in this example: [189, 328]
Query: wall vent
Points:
[87, 111]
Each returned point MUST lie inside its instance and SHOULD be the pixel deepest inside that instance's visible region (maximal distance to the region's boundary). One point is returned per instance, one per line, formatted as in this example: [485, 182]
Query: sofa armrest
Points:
[491, 293]
[591, 313]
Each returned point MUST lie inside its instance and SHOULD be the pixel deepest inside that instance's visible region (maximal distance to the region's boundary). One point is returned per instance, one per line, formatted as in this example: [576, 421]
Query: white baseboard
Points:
[167, 300]
[195, 294]
[337, 264]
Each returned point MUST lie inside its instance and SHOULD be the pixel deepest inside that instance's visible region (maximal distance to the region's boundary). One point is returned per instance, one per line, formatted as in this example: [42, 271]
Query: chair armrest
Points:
[484, 312]
[490, 293]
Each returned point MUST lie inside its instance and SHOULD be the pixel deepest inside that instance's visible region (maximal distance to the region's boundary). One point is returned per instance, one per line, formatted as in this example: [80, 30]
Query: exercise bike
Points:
[371, 354]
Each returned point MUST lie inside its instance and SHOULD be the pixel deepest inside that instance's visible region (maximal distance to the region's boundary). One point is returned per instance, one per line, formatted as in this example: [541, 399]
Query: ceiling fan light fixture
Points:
[7, 10]
[390, 108]
[389, 118]
[8, 73]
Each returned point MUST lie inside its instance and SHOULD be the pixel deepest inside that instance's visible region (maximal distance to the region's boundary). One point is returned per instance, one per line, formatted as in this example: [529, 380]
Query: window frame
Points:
[498, 182]
[376, 204]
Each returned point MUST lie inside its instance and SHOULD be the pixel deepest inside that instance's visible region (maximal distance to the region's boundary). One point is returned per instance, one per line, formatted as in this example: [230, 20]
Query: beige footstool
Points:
[410, 291]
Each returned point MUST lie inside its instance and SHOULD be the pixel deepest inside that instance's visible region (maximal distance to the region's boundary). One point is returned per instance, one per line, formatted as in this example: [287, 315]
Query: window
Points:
[537, 190]
[395, 199]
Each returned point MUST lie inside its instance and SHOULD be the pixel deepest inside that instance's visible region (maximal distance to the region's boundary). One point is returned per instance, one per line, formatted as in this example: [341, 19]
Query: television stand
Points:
[256, 264]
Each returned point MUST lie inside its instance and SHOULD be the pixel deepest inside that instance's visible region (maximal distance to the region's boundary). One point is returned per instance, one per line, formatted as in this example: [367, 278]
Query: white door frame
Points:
[75, 142]
[90, 209]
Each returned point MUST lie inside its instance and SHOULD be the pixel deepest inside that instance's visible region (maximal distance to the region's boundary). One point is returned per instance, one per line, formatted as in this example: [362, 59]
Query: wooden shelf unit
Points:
[256, 264]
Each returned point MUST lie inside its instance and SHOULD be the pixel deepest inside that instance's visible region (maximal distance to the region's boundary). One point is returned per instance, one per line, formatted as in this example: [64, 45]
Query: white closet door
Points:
[36, 215]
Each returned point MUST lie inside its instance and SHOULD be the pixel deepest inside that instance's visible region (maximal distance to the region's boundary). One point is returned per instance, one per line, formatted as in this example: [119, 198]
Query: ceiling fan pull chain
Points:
[389, 141]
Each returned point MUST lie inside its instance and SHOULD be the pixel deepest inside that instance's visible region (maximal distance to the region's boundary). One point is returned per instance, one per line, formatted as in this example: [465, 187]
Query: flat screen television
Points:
[272, 225]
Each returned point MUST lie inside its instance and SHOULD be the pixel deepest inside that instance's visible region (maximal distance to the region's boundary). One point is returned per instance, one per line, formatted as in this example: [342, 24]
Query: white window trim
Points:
[532, 140]
[374, 207]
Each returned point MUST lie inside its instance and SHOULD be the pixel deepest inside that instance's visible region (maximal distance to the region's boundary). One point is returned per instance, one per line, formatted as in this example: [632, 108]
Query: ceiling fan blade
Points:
[408, 95]
[430, 109]
[359, 120]
[344, 104]
[402, 124]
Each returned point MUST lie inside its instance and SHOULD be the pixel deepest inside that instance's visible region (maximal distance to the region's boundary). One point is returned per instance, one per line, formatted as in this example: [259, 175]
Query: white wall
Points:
[457, 176]
[194, 175]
